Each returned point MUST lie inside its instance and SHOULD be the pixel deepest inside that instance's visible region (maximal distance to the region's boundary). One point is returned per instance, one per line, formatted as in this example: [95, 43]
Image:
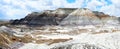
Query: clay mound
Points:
[81, 17]
[48, 17]
[67, 16]
[87, 17]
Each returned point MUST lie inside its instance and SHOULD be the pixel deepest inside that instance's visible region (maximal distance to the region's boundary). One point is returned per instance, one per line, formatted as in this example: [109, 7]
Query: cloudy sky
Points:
[16, 9]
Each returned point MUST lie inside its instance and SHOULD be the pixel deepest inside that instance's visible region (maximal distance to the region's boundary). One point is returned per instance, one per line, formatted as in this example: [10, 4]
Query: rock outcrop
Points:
[85, 16]
[48, 17]
[66, 16]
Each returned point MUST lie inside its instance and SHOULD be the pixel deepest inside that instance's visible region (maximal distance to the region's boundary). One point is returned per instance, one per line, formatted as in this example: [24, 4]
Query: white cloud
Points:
[116, 3]
[14, 13]
[93, 4]
[20, 8]
[111, 10]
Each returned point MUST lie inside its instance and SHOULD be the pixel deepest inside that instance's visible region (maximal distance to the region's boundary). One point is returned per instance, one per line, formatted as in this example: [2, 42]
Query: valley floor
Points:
[57, 37]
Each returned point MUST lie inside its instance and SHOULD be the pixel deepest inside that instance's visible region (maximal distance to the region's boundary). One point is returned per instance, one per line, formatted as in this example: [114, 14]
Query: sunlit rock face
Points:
[85, 16]
[80, 17]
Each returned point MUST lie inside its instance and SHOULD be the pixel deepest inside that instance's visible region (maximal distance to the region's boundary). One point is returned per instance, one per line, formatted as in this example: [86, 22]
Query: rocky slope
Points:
[48, 17]
[87, 17]
[66, 16]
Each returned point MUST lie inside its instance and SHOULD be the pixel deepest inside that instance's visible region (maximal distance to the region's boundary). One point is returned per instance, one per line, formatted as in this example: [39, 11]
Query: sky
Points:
[16, 9]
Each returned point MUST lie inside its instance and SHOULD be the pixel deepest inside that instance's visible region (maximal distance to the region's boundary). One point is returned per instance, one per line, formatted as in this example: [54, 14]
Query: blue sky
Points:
[16, 9]
[71, 1]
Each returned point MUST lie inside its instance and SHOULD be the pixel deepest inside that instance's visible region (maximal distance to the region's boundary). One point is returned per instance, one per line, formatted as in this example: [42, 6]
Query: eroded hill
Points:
[67, 16]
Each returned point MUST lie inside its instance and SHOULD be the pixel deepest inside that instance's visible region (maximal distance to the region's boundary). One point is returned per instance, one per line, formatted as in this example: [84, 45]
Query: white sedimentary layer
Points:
[109, 40]
[81, 17]
[88, 40]
[97, 41]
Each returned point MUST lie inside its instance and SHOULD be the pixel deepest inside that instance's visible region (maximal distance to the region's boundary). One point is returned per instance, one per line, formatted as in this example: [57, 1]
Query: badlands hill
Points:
[87, 32]
[48, 17]
[67, 16]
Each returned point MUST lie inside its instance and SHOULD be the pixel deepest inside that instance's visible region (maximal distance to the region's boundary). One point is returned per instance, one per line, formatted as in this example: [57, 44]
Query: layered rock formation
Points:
[66, 16]
[48, 17]
[85, 16]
